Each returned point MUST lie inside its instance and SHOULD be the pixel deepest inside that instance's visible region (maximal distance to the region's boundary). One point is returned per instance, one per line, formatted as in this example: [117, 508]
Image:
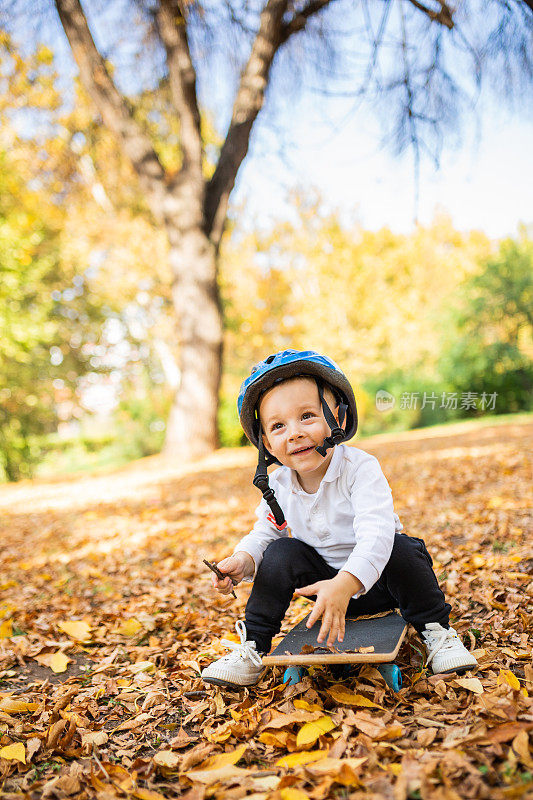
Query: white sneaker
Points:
[242, 667]
[446, 652]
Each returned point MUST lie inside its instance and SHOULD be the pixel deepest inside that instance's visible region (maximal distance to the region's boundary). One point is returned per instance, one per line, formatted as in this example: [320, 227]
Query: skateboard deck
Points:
[371, 640]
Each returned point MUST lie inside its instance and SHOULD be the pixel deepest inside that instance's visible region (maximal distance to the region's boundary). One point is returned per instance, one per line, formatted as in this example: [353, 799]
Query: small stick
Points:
[220, 575]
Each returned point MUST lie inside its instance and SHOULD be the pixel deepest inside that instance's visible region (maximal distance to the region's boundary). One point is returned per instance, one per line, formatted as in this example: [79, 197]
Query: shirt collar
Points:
[332, 473]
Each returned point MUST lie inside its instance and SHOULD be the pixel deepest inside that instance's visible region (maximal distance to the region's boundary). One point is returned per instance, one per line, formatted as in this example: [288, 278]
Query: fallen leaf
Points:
[96, 738]
[14, 752]
[142, 666]
[6, 629]
[310, 732]
[76, 629]
[289, 793]
[148, 794]
[304, 757]
[506, 676]
[210, 776]
[471, 684]
[223, 759]
[130, 628]
[345, 697]
[13, 706]
[57, 661]
[33, 745]
[167, 759]
[521, 747]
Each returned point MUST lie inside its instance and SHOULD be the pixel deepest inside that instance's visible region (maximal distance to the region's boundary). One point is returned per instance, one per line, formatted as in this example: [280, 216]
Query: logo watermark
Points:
[385, 401]
[468, 401]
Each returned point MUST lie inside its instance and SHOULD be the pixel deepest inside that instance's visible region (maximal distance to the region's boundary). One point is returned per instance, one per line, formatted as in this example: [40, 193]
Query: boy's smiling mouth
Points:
[302, 450]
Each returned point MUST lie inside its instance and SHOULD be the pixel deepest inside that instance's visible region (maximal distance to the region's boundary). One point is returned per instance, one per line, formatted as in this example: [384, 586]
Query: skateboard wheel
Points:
[392, 675]
[293, 675]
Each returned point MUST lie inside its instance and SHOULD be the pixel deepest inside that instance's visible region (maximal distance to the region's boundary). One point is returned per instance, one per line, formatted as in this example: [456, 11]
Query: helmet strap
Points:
[261, 481]
[336, 432]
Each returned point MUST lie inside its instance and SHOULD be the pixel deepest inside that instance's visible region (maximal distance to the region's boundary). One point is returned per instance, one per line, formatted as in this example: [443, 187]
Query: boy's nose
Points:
[295, 432]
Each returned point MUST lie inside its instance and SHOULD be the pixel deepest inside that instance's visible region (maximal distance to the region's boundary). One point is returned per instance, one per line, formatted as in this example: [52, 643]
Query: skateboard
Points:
[367, 640]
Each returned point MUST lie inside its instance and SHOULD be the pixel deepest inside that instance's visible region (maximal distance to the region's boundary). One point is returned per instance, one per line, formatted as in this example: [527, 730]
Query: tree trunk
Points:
[192, 424]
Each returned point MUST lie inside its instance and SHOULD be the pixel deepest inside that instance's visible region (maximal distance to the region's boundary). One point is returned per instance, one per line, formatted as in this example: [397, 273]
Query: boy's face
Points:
[293, 425]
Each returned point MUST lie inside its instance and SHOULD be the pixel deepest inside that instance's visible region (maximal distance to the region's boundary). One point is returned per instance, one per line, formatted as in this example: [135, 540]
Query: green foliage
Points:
[45, 315]
[489, 342]
[229, 427]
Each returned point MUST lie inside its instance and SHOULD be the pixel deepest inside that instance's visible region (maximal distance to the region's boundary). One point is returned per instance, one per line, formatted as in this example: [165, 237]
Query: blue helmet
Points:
[290, 364]
[281, 366]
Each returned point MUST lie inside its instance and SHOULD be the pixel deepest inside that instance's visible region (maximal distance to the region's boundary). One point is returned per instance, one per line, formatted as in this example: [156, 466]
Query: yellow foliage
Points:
[305, 757]
[310, 731]
[14, 752]
[77, 629]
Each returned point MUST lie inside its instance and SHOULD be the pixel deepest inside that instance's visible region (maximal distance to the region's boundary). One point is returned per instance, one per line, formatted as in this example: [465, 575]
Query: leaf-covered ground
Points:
[107, 615]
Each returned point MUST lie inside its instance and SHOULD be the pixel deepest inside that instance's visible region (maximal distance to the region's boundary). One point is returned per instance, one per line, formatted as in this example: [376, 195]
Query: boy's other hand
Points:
[332, 598]
[236, 567]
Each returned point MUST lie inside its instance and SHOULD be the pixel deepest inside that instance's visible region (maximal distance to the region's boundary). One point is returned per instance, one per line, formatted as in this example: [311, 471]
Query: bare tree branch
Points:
[173, 32]
[444, 16]
[248, 102]
[250, 98]
[299, 20]
[110, 103]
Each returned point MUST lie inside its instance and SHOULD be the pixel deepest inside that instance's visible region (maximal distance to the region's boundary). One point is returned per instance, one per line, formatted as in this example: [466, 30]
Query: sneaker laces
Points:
[438, 638]
[243, 649]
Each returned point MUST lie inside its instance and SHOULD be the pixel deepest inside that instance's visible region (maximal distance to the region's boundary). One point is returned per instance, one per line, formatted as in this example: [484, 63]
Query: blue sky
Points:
[485, 183]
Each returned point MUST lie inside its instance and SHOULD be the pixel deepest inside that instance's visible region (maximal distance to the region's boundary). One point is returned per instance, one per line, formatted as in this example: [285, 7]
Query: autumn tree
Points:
[488, 347]
[408, 57]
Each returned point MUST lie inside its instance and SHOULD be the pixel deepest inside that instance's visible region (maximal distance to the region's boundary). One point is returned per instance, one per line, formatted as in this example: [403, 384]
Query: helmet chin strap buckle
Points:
[337, 435]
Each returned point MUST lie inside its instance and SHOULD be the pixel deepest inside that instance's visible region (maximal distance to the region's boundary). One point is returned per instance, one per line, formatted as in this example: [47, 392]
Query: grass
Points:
[77, 459]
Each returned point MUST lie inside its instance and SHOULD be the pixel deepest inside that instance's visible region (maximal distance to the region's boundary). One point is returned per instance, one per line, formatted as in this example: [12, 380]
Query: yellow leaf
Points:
[13, 706]
[142, 666]
[14, 752]
[76, 629]
[167, 759]
[472, 684]
[288, 793]
[6, 629]
[210, 776]
[340, 768]
[308, 706]
[297, 759]
[347, 698]
[56, 661]
[276, 739]
[506, 676]
[130, 628]
[59, 662]
[223, 759]
[148, 794]
[310, 732]
[495, 502]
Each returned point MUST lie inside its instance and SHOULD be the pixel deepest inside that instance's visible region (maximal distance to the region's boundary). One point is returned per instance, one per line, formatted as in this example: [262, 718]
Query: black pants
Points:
[407, 582]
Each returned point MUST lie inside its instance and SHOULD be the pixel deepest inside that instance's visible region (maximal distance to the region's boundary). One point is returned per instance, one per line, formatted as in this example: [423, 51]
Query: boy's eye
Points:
[276, 425]
[307, 414]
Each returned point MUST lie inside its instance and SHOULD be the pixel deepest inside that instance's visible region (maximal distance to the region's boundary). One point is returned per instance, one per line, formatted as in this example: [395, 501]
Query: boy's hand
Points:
[332, 598]
[236, 567]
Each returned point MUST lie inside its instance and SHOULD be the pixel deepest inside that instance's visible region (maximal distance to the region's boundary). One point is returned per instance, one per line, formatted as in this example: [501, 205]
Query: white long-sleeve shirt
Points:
[350, 521]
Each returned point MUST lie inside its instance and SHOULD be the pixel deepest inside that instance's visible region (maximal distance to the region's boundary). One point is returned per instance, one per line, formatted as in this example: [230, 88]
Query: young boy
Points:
[345, 549]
